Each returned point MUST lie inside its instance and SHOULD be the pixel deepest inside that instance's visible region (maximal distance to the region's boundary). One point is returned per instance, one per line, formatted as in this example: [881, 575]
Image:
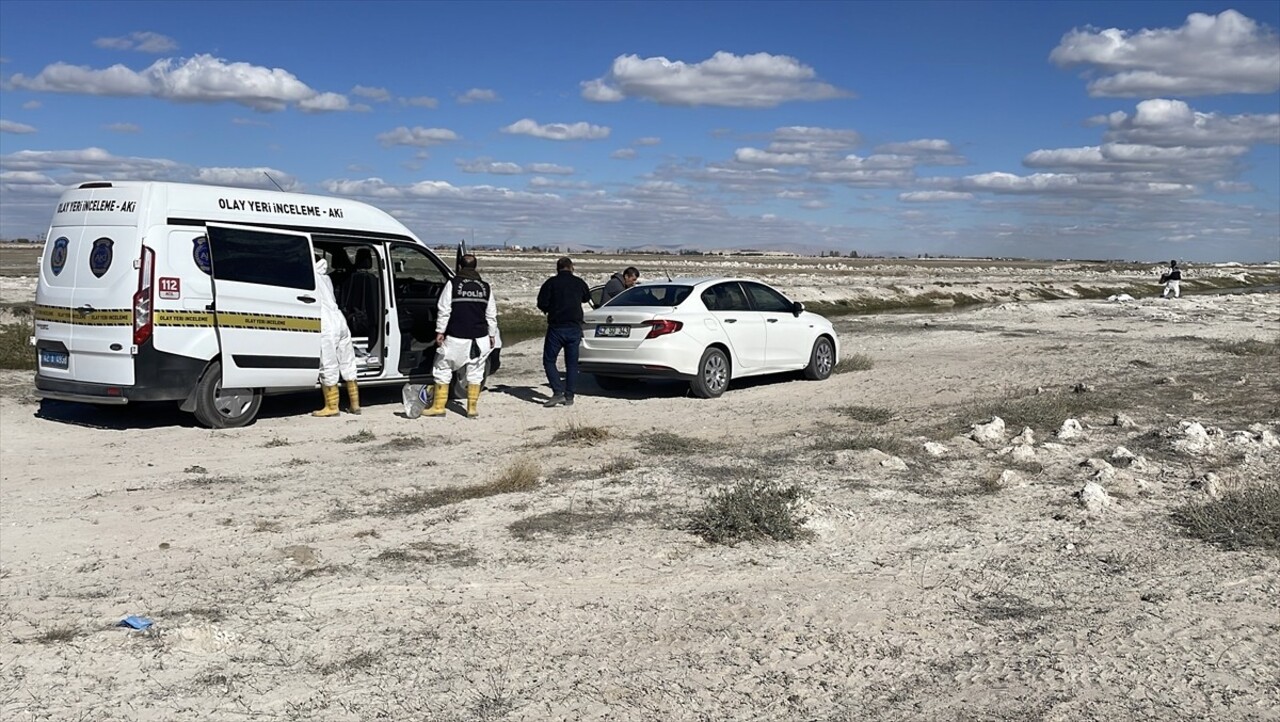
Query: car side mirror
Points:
[797, 308]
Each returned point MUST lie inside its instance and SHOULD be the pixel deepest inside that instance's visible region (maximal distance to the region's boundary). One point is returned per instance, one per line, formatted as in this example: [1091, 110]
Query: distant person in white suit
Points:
[1172, 281]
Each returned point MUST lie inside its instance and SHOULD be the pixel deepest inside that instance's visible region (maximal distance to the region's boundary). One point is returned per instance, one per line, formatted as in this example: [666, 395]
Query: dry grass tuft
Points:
[58, 635]
[363, 436]
[15, 351]
[275, 442]
[856, 362]
[404, 442]
[669, 444]
[1242, 518]
[750, 511]
[865, 414]
[576, 433]
[864, 442]
[522, 475]
[1248, 347]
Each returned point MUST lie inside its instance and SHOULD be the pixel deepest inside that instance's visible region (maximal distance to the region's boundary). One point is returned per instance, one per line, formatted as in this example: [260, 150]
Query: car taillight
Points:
[662, 327]
[144, 299]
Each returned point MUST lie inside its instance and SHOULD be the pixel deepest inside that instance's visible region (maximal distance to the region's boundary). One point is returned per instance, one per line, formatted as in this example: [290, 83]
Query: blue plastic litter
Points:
[135, 622]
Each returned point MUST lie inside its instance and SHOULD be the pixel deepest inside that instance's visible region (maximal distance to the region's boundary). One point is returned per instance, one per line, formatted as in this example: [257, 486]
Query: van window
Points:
[262, 257]
[416, 274]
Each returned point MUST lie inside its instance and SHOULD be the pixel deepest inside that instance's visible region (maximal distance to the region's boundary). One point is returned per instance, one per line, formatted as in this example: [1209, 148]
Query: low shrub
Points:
[1241, 518]
[749, 511]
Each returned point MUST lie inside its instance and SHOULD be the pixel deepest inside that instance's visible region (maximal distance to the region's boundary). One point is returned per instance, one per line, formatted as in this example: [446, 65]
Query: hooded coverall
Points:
[337, 356]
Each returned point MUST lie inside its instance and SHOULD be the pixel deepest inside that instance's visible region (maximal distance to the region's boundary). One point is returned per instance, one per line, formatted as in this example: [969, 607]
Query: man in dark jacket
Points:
[618, 283]
[1172, 281]
[561, 298]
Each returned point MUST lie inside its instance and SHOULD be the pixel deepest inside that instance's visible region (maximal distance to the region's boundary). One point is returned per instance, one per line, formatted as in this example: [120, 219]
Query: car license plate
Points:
[54, 359]
[613, 331]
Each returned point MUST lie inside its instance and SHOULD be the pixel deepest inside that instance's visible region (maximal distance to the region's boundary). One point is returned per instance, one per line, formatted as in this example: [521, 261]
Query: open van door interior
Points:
[266, 309]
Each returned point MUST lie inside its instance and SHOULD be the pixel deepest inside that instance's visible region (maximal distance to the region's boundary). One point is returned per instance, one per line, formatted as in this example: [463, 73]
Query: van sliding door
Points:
[266, 308]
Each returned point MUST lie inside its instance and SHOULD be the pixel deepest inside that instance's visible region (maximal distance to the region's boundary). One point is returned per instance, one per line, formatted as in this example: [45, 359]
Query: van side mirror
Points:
[797, 308]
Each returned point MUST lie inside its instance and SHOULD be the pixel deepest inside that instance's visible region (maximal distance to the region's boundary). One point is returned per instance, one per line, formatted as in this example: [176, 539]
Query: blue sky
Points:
[1137, 130]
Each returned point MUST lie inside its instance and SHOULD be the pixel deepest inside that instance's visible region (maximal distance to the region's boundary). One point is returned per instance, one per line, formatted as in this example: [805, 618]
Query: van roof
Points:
[196, 202]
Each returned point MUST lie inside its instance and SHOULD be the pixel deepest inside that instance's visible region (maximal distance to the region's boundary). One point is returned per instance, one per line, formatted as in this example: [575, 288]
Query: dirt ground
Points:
[316, 569]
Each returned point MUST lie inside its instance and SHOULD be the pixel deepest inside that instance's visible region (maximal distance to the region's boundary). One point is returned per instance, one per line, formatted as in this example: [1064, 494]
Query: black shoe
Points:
[556, 400]
[568, 401]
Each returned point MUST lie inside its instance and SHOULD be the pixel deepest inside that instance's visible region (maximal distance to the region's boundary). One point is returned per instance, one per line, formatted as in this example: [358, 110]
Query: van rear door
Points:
[84, 295]
[266, 310]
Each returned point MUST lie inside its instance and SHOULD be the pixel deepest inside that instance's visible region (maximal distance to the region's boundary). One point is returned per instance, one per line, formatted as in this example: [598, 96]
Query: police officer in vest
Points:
[466, 331]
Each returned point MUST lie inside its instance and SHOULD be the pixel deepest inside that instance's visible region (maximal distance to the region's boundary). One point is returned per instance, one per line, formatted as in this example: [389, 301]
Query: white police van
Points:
[206, 295]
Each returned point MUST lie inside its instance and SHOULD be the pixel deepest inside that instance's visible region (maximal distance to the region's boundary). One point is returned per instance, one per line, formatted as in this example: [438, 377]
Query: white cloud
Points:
[144, 42]
[421, 101]
[32, 105]
[123, 128]
[624, 154]
[923, 146]
[250, 122]
[478, 95]
[377, 95]
[246, 178]
[9, 126]
[813, 205]
[1178, 162]
[753, 156]
[486, 166]
[1233, 187]
[1173, 122]
[647, 140]
[1104, 185]
[327, 102]
[798, 139]
[557, 131]
[933, 196]
[1208, 55]
[416, 136]
[760, 80]
[549, 169]
[201, 78]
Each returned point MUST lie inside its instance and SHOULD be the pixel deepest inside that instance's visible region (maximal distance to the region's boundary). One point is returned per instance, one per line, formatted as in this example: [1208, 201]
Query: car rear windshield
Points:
[653, 294]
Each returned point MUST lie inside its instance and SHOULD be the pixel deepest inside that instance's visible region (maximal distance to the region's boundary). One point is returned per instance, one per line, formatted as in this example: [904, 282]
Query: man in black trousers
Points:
[561, 298]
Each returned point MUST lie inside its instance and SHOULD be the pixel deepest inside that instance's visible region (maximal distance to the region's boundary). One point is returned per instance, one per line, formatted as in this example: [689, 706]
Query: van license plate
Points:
[54, 359]
[613, 331]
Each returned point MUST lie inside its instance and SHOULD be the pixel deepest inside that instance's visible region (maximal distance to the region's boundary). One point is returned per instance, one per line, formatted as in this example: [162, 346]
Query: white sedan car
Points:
[705, 331]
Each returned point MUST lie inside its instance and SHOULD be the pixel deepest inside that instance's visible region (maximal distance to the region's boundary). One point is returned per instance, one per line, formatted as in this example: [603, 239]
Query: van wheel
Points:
[713, 375]
[459, 386]
[219, 408]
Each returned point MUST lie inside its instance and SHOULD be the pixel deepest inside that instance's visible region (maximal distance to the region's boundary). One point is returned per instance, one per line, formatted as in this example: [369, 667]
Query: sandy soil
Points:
[293, 573]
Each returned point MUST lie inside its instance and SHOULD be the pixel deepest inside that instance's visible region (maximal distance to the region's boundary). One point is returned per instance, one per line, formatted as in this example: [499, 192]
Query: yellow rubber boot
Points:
[353, 397]
[330, 402]
[442, 398]
[473, 398]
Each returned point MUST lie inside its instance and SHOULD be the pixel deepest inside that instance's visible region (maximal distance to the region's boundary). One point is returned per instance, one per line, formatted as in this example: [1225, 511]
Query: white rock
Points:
[1027, 436]
[1093, 497]
[1053, 446]
[1195, 438]
[1119, 297]
[1124, 421]
[933, 448]
[1023, 454]
[1122, 457]
[894, 463]
[1210, 484]
[1071, 429]
[1009, 477]
[990, 433]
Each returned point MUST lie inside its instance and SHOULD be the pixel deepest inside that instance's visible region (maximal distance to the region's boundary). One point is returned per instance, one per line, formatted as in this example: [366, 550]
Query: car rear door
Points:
[742, 325]
[266, 309]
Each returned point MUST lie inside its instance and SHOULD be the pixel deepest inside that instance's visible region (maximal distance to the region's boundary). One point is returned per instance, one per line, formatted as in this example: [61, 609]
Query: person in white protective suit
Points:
[337, 356]
[466, 332]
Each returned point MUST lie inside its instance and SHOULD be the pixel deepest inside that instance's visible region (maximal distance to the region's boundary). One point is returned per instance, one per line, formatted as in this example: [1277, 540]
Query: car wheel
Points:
[822, 360]
[219, 408]
[713, 374]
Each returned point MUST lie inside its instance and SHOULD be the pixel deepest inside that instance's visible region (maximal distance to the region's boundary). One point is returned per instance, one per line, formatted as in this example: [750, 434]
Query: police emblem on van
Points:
[200, 254]
[58, 259]
[100, 256]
